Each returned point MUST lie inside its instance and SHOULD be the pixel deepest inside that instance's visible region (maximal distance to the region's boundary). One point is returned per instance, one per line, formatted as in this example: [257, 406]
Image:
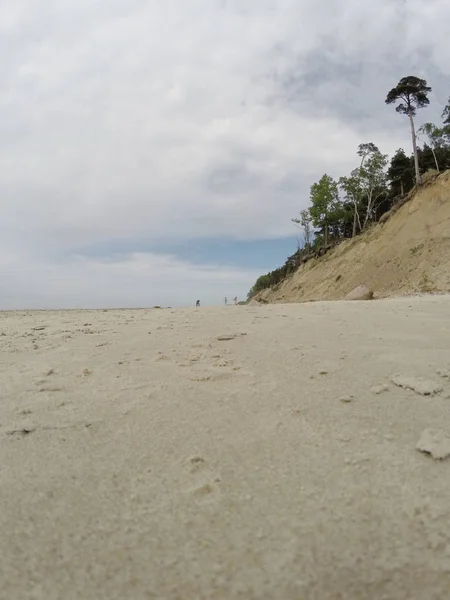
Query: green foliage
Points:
[436, 138]
[413, 93]
[352, 186]
[401, 170]
[276, 276]
[365, 185]
[374, 182]
[365, 150]
[434, 134]
[400, 174]
[326, 208]
[446, 123]
[353, 190]
[446, 113]
[304, 222]
[428, 158]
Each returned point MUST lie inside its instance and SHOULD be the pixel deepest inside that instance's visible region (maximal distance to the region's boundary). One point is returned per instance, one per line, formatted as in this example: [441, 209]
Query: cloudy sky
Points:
[153, 152]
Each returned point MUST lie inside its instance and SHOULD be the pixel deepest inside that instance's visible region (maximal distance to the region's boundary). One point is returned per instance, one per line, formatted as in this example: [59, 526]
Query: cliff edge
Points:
[407, 253]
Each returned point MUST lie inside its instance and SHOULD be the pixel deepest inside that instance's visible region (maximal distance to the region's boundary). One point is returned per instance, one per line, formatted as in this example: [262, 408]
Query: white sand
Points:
[143, 458]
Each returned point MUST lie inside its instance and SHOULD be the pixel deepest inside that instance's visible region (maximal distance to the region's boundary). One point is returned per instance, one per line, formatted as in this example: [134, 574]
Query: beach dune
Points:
[255, 452]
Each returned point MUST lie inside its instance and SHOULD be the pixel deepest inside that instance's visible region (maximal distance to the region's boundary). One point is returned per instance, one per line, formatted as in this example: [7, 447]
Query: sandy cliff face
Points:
[409, 253]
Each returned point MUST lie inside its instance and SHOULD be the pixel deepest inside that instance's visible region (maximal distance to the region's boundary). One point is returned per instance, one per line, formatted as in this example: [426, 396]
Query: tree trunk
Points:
[307, 233]
[414, 142]
[402, 189]
[356, 219]
[435, 159]
[370, 204]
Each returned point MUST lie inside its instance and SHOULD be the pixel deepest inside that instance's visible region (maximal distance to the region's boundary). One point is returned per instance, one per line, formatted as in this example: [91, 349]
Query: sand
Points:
[268, 452]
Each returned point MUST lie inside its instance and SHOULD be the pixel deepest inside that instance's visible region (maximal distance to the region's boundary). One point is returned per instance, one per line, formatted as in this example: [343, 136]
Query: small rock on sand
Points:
[361, 292]
[435, 442]
[347, 399]
[379, 389]
[421, 386]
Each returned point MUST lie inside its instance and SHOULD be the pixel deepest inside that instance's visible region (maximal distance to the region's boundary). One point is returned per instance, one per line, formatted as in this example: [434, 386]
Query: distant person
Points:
[235, 300]
[197, 303]
[226, 300]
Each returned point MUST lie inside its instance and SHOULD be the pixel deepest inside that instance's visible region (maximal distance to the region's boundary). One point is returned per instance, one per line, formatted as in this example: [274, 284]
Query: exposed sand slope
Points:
[409, 253]
[247, 452]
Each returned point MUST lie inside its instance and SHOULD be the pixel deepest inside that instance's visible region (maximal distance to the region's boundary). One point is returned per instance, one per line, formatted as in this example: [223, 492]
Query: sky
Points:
[154, 153]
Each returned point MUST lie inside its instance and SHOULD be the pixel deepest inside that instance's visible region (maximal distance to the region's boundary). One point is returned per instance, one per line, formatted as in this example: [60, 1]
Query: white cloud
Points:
[182, 120]
[133, 280]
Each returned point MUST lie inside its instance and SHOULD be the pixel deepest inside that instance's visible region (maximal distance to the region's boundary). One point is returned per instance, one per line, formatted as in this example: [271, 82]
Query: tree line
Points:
[346, 207]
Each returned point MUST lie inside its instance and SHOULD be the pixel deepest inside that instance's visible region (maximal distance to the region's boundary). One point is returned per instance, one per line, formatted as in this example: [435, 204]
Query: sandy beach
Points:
[255, 452]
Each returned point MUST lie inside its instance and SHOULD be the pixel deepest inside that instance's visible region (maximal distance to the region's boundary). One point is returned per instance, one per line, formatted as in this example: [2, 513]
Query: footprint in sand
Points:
[208, 365]
[196, 464]
[222, 362]
[203, 485]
